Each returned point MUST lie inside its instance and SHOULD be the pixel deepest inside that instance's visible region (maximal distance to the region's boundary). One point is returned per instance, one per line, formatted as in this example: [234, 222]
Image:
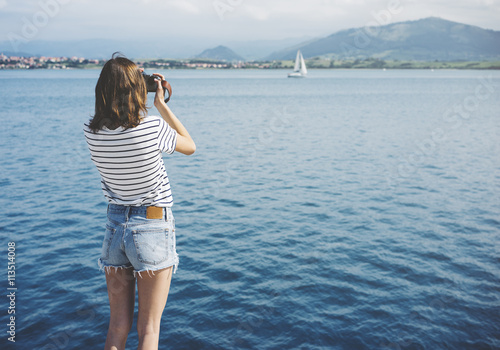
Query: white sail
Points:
[297, 62]
[303, 69]
[299, 70]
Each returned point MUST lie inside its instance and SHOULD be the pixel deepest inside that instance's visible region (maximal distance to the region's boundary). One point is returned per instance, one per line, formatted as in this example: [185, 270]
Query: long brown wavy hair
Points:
[120, 95]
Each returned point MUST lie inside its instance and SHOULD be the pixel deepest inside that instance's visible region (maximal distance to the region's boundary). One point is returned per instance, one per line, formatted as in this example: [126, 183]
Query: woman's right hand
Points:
[160, 92]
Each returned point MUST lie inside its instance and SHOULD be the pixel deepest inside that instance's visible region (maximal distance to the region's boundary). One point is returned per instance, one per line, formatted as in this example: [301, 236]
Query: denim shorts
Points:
[132, 240]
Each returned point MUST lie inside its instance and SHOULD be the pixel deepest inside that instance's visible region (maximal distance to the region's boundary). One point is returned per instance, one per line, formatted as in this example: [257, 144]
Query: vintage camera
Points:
[150, 82]
[151, 85]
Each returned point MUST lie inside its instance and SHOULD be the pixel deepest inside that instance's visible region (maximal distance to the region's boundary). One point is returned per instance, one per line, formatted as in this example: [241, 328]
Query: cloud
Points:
[185, 6]
[241, 20]
[257, 13]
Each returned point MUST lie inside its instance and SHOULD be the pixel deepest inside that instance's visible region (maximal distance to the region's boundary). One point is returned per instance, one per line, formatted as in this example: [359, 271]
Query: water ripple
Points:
[321, 235]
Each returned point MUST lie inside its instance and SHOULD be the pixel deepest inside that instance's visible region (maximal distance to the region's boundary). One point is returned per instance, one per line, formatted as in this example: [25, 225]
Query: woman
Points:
[126, 146]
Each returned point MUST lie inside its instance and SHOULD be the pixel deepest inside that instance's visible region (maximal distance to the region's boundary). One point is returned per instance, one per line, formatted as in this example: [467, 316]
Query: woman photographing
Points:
[126, 145]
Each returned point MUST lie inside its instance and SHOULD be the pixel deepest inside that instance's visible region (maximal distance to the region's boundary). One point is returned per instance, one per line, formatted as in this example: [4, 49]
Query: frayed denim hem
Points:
[152, 271]
[105, 267]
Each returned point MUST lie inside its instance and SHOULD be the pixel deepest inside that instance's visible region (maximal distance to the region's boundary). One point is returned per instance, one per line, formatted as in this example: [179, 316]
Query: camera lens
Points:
[150, 82]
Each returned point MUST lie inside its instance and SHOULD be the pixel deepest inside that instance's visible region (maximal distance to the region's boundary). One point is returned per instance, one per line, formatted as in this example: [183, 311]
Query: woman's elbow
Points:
[185, 145]
[191, 149]
[188, 149]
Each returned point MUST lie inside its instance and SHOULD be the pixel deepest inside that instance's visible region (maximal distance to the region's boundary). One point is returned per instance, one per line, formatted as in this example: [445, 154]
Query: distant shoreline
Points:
[24, 63]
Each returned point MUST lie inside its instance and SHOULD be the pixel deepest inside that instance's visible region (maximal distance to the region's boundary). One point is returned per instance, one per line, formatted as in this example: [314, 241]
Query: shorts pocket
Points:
[106, 244]
[151, 245]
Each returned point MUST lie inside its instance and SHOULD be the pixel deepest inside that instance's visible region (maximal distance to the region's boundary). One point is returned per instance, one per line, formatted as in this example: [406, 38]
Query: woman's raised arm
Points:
[185, 143]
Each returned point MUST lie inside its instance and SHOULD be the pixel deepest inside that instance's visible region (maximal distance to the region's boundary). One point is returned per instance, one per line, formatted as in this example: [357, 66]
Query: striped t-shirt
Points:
[130, 162]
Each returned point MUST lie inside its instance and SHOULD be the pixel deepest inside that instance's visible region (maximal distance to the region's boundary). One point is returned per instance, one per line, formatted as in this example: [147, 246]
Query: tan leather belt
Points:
[154, 212]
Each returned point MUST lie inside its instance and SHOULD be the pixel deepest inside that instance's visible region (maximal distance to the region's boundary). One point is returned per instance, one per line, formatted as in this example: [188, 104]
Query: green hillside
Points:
[427, 39]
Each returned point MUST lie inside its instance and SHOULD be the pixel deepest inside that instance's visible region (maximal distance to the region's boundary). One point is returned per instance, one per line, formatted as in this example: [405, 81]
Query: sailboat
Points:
[300, 70]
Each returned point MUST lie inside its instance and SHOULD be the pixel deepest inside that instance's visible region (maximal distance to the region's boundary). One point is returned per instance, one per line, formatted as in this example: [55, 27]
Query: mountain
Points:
[104, 48]
[175, 47]
[221, 53]
[426, 39]
[422, 40]
[256, 49]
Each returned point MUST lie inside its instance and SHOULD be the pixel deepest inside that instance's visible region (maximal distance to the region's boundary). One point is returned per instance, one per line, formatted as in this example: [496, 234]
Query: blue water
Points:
[348, 210]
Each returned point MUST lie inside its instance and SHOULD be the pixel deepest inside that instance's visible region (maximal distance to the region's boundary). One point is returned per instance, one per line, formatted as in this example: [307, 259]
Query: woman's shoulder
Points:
[147, 122]
[155, 120]
[151, 119]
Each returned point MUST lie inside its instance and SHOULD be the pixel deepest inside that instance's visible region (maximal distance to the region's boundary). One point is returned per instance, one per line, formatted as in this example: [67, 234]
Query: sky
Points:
[242, 20]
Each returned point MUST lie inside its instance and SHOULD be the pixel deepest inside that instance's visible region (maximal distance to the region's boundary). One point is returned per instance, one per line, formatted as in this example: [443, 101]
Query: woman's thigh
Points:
[153, 292]
[121, 292]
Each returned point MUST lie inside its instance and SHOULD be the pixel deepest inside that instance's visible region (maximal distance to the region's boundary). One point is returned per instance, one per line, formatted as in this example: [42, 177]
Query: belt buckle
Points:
[154, 212]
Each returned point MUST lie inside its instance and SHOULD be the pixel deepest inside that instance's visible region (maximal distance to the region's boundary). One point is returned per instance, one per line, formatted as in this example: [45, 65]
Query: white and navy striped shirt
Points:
[130, 162]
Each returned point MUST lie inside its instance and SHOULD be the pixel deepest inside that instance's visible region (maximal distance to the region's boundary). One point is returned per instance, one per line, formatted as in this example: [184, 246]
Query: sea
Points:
[352, 209]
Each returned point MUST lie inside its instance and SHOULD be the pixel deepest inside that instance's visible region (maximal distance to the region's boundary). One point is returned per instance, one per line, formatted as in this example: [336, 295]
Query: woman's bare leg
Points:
[121, 293]
[153, 292]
